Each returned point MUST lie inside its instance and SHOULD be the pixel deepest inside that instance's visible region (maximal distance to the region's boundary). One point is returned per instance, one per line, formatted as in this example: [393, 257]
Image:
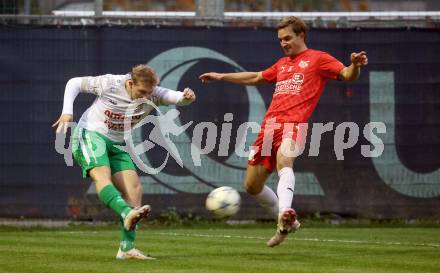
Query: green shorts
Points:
[91, 149]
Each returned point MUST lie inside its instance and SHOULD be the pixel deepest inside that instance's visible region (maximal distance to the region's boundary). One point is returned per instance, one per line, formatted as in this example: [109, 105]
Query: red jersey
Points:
[300, 81]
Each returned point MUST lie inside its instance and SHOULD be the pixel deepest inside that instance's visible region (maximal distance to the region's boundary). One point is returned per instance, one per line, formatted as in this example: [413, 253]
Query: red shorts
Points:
[264, 150]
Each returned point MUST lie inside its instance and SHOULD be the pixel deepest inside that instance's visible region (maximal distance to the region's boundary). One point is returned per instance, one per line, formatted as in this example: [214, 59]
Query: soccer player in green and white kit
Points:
[101, 127]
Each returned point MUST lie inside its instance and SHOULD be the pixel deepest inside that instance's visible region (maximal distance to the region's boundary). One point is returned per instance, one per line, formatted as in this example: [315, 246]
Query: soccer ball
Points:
[223, 202]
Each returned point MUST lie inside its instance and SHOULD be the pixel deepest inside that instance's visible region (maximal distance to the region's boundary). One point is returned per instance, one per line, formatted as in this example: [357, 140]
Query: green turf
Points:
[214, 248]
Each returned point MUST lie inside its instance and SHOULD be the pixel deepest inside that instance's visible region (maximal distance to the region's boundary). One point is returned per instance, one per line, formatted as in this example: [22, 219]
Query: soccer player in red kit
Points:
[299, 78]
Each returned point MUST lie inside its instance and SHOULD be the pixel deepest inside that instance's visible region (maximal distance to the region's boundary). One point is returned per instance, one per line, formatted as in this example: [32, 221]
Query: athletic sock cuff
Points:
[108, 193]
[285, 170]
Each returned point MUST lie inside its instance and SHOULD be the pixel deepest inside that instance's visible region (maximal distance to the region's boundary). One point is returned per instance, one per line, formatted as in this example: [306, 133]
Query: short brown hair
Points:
[145, 75]
[297, 25]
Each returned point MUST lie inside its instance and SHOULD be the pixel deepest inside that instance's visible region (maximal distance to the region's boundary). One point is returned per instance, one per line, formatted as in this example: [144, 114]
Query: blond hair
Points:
[144, 75]
[297, 25]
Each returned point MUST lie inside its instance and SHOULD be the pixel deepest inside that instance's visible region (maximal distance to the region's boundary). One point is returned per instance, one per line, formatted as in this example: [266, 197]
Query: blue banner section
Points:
[386, 165]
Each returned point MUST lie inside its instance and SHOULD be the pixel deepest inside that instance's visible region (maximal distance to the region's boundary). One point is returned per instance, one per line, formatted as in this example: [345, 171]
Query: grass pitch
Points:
[220, 248]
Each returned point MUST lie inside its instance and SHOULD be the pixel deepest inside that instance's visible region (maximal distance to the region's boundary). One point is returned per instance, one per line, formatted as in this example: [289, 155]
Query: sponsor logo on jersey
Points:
[303, 64]
[290, 86]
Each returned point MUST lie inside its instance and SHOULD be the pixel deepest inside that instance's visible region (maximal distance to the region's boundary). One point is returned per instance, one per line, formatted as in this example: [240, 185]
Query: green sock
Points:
[110, 196]
[127, 237]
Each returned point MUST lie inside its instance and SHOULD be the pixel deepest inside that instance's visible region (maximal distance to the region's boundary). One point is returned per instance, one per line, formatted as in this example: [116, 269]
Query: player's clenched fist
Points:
[359, 59]
[188, 95]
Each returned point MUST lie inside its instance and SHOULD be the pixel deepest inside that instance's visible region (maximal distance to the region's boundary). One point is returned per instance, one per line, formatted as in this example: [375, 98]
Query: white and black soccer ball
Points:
[223, 202]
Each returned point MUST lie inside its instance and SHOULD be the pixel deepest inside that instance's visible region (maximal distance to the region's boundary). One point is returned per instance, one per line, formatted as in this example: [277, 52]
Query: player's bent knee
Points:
[101, 176]
[100, 172]
[252, 189]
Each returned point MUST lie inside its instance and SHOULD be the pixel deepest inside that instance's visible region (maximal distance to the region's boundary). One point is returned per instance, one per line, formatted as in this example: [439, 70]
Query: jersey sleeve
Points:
[270, 74]
[329, 66]
[73, 87]
[165, 96]
[96, 85]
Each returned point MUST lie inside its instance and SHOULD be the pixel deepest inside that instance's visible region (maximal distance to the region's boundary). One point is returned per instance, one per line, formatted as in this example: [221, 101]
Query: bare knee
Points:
[253, 189]
[101, 176]
[283, 159]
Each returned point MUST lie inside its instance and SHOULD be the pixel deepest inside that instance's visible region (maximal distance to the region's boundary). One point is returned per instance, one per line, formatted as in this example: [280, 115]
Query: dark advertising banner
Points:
[385, 165]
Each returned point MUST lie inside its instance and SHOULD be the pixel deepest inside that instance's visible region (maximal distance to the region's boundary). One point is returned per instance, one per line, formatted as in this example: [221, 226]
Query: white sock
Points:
[286, 186]
[268, 200]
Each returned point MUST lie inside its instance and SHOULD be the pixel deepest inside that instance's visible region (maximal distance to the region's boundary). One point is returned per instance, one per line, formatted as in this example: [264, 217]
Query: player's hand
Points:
[359, 59]
[211, 76]
[63, 123]
[188, 95]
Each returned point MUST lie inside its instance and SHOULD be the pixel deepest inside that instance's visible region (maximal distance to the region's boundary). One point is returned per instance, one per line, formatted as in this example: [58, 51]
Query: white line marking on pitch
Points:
[299, 239]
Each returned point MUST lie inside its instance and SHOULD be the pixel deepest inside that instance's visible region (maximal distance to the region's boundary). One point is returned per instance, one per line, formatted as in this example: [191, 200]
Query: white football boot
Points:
[135, 215]
[286, 223]
[133, 253]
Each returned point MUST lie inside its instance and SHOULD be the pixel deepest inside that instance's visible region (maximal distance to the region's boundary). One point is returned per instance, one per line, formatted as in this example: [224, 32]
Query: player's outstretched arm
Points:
[171, 97]
[73, 87]
[243, 78]
[352, 72]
